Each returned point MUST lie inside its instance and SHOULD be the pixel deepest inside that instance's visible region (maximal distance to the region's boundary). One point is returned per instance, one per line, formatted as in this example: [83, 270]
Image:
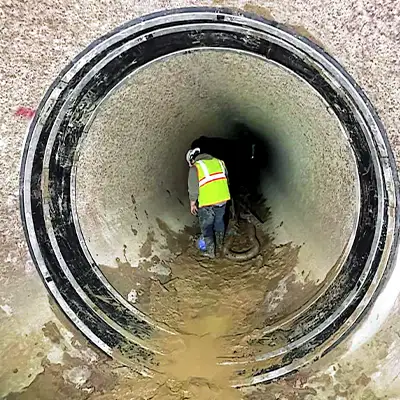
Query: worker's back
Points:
[212, 178]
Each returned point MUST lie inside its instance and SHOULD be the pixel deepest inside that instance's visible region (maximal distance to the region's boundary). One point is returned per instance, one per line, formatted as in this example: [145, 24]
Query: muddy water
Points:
[192, 359]
[216, 308]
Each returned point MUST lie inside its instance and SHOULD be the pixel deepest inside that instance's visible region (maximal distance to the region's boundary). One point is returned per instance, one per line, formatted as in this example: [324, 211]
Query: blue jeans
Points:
[211, 219]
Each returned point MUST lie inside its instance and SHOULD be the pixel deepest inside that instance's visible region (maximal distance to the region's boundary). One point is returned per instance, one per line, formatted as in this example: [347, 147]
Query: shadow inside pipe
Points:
[249, 157]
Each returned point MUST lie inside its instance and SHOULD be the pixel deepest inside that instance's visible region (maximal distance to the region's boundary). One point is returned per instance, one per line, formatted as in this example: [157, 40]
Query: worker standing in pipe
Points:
[208, 195]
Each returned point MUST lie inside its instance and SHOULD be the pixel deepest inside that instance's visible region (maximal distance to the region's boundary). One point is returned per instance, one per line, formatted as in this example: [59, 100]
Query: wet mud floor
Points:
[214, 306]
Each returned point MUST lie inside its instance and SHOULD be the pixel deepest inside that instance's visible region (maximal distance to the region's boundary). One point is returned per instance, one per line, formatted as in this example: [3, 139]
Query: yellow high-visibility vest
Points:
[213, 184]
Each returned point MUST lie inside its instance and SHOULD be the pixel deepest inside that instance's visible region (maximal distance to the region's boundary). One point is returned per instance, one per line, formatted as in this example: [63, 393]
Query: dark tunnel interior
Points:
[248, 157]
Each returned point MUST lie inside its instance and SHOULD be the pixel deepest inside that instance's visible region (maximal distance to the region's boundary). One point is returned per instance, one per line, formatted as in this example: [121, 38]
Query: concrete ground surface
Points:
[42, 355]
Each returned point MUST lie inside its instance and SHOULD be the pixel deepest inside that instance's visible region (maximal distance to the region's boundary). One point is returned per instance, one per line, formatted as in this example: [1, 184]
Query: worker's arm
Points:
[193, 188]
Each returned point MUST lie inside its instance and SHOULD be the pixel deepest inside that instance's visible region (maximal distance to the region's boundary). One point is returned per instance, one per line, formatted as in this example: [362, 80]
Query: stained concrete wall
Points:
[36, 42]
[131, 172]
[132, 158]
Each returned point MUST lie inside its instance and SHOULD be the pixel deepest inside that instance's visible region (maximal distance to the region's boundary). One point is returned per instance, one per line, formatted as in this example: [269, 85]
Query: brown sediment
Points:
[146, 249]
[51, 331]
[213, 305]
[301, 30]
[259, 10]
[126, 278]
[176, 242]
[74, 379]
[219, 308]
[192, 358]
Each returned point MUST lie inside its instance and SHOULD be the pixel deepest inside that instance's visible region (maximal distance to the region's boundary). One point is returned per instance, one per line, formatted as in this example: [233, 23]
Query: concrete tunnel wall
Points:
[132, 172]
[23, 317]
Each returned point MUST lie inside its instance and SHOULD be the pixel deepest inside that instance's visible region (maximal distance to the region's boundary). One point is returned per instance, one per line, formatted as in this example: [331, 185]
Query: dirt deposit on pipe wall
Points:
[217, 307]
[261, 282]
[213, 305]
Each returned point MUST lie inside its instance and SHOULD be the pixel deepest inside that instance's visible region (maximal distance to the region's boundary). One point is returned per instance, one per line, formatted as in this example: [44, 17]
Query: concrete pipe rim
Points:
[48, 168]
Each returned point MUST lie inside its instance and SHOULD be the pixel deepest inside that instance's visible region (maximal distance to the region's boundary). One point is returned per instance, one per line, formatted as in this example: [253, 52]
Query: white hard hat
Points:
[191, 154]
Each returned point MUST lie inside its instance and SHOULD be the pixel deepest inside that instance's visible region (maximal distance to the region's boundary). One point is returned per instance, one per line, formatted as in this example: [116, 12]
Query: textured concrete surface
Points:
[36, 42]
[131, 170]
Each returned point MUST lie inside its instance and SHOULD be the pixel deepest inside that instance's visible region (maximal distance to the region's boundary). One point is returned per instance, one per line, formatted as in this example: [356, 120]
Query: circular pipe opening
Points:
[103, 180]
[131, 175]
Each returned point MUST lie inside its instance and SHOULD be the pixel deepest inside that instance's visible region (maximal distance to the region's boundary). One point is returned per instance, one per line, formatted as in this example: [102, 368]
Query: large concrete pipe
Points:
[103, 167]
